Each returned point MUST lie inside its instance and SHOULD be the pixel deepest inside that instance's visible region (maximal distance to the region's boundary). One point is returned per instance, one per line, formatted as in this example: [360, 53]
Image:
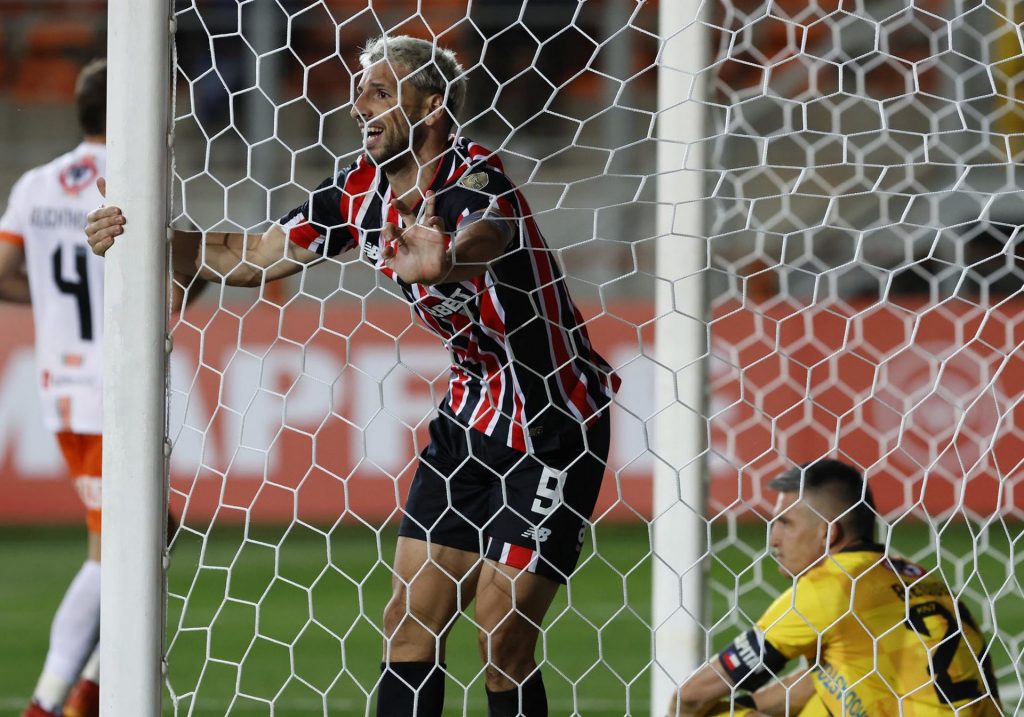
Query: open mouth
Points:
[372, 133]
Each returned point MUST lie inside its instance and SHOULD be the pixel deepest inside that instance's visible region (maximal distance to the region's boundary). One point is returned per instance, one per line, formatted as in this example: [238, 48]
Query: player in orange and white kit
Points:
[41, 230]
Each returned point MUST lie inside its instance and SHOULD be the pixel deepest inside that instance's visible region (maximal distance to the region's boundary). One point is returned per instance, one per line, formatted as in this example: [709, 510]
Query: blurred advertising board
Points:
[317, 412]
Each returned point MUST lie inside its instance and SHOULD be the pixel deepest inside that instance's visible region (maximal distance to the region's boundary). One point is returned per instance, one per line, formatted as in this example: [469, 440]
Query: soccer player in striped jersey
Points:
[498, 508]
[882, 637]
[41, 230]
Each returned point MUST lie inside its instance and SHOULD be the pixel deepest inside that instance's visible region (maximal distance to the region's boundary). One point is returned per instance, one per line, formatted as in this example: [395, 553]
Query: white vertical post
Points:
[679, 439]
[134, 494]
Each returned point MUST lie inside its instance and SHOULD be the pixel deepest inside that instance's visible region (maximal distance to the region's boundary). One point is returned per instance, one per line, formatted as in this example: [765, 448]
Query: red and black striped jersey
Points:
[523, 368]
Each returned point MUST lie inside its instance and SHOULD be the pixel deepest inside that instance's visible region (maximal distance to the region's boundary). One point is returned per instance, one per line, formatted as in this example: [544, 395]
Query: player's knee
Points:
[396, 610]
[408, 638]
[507, 654]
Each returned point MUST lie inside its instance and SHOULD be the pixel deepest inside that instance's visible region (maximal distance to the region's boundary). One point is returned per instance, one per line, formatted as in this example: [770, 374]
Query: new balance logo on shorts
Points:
[538, 534]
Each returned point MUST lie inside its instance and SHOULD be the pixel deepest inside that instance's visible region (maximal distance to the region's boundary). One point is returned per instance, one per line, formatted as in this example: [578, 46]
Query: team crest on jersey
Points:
[906, 569]
[477, 180]
[76, 177]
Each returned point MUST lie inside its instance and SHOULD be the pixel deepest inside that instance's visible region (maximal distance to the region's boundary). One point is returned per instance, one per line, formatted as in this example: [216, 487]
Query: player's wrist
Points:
[745, 702]
[447, 261]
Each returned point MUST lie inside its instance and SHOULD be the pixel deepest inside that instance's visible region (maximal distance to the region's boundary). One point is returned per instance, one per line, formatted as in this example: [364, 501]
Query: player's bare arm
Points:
[787, 695]
[707, 693]
[702, 692]
[239, 259]
[233, 258]
[14, 289]
[421, 254]
[13, 282]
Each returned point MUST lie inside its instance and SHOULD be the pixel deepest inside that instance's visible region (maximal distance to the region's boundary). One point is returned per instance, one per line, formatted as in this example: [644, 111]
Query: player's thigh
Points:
[431, 584]
[95, 544]
[449, 498]
[83, 454]
[543, 505]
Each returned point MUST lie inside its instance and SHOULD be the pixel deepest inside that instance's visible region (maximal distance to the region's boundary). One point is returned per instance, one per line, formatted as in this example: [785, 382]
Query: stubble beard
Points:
[395, 152]
[394, 155]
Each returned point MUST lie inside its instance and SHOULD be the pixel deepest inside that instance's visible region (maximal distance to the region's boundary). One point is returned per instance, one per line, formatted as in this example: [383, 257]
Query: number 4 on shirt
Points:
[78, 289]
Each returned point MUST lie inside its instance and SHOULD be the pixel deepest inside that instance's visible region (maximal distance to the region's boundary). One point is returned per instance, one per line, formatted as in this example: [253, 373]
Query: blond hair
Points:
[431, 68]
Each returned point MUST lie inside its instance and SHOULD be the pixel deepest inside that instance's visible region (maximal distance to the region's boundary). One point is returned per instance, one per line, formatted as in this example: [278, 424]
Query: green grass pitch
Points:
[289, 617]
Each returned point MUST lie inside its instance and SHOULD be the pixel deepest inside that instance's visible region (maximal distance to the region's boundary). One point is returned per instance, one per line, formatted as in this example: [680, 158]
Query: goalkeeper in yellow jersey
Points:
[881, 636]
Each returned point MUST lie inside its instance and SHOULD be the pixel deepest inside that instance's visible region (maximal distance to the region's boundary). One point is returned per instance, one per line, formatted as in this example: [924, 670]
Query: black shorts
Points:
[528, 511]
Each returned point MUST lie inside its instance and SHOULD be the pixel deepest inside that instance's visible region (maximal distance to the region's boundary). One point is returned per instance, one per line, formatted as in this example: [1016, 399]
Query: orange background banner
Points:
[295, 413]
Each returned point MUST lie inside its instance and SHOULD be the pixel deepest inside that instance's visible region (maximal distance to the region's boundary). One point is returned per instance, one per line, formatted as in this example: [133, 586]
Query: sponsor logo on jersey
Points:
[539, 534]
[904, 568]
[78, 176]
[838, 687]
[475, 181]
[449, 305]
[68, 380]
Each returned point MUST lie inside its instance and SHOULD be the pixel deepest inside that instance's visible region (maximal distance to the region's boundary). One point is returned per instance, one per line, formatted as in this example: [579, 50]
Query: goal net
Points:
[845, 185]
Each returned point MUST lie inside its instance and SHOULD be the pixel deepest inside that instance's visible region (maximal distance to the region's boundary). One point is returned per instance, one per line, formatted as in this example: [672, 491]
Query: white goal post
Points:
[681, 345]
[135, 356]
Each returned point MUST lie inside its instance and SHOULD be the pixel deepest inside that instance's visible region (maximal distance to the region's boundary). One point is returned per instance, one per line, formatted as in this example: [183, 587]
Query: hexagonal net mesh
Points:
[860, 233]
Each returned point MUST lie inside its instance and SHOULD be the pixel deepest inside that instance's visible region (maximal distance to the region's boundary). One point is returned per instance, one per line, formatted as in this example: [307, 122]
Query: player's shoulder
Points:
[911, 581]
[339, 180]
[31, 186]
[477, 168]
[780, 606]
[36, 174]
[854, 561]
[807, 602]
[828, 584]
[839, 571]
[69, 174]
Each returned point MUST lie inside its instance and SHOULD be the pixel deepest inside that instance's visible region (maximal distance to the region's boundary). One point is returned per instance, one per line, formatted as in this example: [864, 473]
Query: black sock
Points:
[507, 703]
[410, 689]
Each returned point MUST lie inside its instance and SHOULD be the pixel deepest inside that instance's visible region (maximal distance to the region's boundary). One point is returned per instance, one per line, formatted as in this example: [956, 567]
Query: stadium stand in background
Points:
[40, 56]
[44, 44]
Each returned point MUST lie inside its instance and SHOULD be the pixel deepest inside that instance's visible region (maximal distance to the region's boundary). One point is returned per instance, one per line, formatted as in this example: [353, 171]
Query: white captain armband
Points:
[751, 661]
[505, 226]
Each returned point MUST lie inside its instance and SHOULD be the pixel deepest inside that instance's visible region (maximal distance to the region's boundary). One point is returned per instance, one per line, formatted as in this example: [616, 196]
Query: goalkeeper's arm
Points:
[707, 693]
